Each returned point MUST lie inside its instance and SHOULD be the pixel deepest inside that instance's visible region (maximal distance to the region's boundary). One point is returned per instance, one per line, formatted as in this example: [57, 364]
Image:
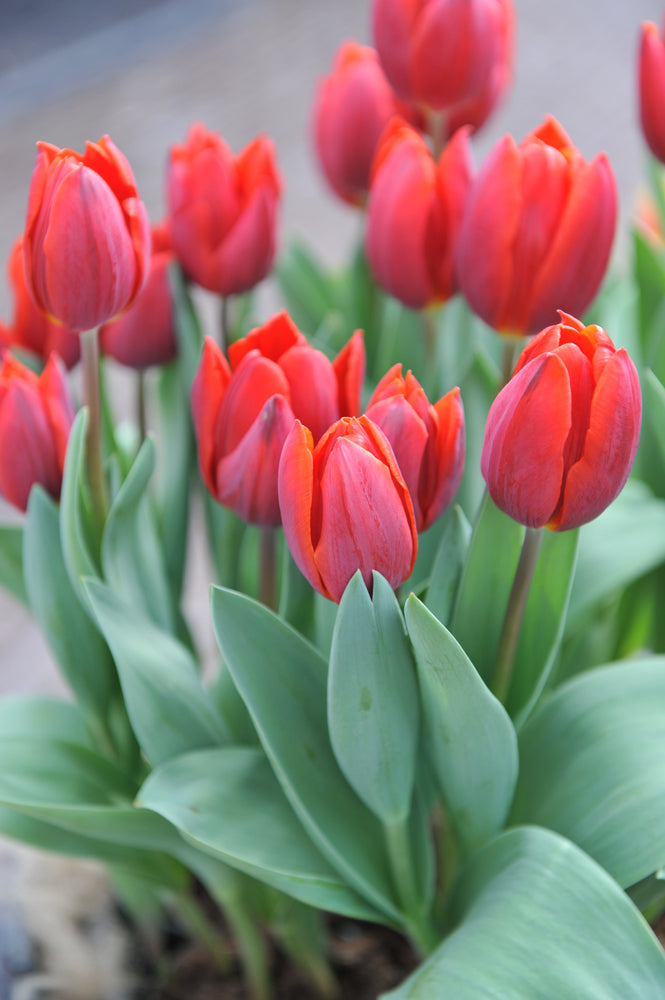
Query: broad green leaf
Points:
[72, 635]
[132, 559]
[76, 547]
[592, 766]
[308, 292]
[282, 680]
[540, 919]
[469, 737]
[11, 561]
[41, 717]
[448, 565]
[166, 702]
[214, 798]
[373, 716]
[654, 397]
[621, 545]
[485, 586]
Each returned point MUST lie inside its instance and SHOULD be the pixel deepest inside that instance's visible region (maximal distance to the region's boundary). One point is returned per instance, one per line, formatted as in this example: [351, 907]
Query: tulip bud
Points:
[345, 506]
[652, 89]
[31, 329]
[452, 56]
[428, 441]
[353, 105]
[223, 210]
[561, 436]
[36, 416]
[537, 231]
[414, 216]
[144, 334]
[243, 412]
[87, 240]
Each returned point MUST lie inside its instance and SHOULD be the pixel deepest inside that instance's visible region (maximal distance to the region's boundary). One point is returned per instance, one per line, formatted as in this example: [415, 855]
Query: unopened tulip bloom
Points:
[144, 334]
[353, 105]
[345, 506]
[537, 232]
[561, 436]
[428, 440]
[244, 411]
[451, 56]
[415, 213]
[31, 329]
[652, 89]
[223, 210]
[87, 240]
[36, 415]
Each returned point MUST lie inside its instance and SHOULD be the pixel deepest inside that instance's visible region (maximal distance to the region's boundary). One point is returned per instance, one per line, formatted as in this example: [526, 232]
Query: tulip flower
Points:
[652, 89]
[31, 329]
[561, 436]
[451, 56]
[36, 415]
[223, 210]
[87, 240]
[353, 105]
[428, 441]
[144, 334]
[537, 231]
[345, 506]
[414, 215]
[244, 411]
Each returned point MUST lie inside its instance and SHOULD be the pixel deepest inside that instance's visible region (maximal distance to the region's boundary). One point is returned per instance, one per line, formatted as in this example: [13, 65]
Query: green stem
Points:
[268, 567]
[514, 616]
[431, 334]
[224, 324]
[141, 405]
[437, 127]
[91, 398]
[400, 856]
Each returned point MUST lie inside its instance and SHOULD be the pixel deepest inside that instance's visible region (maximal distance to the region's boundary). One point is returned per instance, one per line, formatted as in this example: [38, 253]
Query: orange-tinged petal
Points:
[208, 388]
[296, 485]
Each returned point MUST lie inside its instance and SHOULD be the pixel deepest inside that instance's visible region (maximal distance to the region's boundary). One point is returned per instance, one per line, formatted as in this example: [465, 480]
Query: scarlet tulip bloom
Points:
[144, 334]
[87, 239]
[428, 440]
[353, 105]
[345, 506]
[415, 213]
[31, 329]
[652, 89]
[537, 232]
[561, 436]
[36, 415]
[243, 412]
[223, 210]
[452, 56]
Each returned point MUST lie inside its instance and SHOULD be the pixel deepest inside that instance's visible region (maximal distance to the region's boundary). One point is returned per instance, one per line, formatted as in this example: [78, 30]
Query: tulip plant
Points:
[439, 704]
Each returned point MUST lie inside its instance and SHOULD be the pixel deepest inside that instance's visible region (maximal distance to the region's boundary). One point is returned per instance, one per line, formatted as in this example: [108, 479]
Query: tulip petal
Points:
[443, 461]
[57, 406]
[246, 254]
[313, 388]
[652, 89]
[407, 434]
[253, 383]
[28, 451]
[272, 340]
[349, 368]
[208, 388]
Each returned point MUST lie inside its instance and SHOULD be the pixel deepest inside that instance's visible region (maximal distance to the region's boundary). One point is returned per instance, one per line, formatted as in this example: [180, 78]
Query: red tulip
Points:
[243, 412]
[353, 105]
[414, 215]
[87, 240]
[652, 89]
[537, 232]
[144, 334]
[31, 329]
[428, 441]
[452, 56]
[345, 506]
[36, 416]
[561, 436]
[223, 210]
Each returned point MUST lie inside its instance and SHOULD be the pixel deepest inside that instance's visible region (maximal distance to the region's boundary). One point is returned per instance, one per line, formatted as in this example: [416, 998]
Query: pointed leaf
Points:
[41, 717]
[187, 326]
[11, 561]
[448, 565]
[73, 535]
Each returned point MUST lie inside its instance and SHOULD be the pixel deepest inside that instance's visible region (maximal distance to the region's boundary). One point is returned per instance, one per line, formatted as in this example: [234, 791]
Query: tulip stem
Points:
[437, 126]
[224, 324]
[400, 854]
[268, 567]
[141, 405]
[512, 622]
[431, 332]
[91, 398]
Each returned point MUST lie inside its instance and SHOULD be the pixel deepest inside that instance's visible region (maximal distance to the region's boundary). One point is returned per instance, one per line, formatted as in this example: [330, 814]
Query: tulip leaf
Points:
[469, 737]
[536, 917]
[214, 798]
[132, 559]
[373, 699]
[485, 586]
[282, 680]
[592, 766]
[11, 561]
[448, 565]
[165, 700]
[306, 288]
[654, 397]
[72, 635]
[649, 262]
[189, 333]
[76, 547]
[43, 718]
